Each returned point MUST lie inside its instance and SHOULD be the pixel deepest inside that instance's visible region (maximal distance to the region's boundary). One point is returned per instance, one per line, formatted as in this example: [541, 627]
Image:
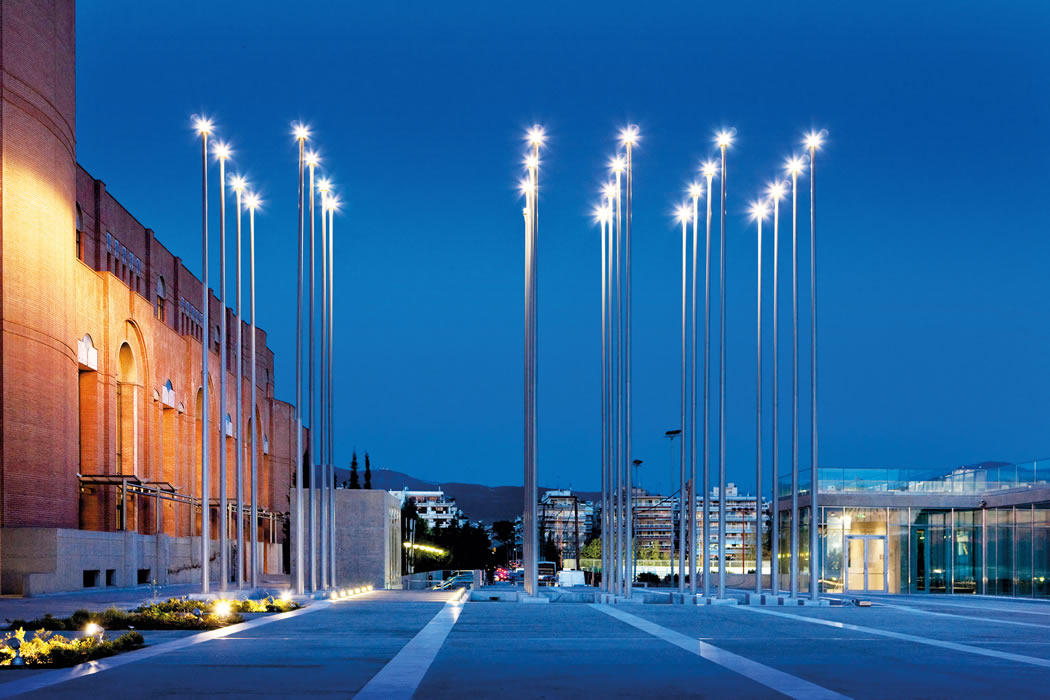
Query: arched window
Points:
[161, 311]
[167, 394]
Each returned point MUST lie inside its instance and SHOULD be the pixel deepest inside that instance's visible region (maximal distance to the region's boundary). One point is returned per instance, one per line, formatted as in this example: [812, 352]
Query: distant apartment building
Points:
[740, 526]
[657, 522]
[560, 514]
[434, 507]
[564, 517]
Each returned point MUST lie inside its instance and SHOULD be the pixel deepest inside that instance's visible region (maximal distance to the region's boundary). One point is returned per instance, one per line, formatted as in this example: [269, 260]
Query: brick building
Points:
[100, 356]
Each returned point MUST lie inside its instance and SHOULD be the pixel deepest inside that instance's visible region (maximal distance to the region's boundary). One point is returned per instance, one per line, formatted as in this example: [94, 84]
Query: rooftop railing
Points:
[971, 480]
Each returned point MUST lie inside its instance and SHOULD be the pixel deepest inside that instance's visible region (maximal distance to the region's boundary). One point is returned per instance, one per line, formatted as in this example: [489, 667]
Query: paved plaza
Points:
[390, 644]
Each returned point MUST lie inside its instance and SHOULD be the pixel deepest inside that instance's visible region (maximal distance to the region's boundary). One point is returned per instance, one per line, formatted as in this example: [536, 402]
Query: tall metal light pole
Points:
[794, 167]
[618, 166]
[723, 141]
[776, 193]
[222, 152]
[695, 192]
[301, 135]
[683, 215]
[322, 422]
[526, 189]
[535, 139]
[325, 481]
[710, 170]
[603, 216]
[252, 202]
[628, 137]
[238, 188]
[203, 127]
[312, 160]
[609, 532]
[813, 142]
[758, 213]
[526, 539]
[333, 205]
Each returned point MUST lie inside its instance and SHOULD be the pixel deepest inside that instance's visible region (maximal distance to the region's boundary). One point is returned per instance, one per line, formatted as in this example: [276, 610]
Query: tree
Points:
[410, 512]
[468, 546]
[593, 549]
[368, 473]
[650, 552]
[503, 531]
[354, 482]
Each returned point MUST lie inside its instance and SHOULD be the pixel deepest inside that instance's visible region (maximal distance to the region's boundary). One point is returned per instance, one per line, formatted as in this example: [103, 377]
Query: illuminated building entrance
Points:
[865, 563]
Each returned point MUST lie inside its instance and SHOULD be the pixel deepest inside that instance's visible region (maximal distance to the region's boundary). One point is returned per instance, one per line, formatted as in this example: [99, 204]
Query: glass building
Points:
[981, 529]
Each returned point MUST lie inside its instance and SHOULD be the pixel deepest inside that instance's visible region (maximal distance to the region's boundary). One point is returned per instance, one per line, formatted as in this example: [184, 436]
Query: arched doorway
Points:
[129, 407]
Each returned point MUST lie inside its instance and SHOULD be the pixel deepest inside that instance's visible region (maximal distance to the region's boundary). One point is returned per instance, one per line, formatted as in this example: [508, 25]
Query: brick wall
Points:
[58, 416]
[38, 382]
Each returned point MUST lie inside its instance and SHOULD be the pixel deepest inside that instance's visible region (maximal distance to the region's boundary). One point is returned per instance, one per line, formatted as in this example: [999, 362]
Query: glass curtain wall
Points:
[993, 551]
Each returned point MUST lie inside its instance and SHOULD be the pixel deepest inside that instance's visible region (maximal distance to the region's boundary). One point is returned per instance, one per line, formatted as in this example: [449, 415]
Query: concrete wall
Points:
[367, 538]
[50, 560]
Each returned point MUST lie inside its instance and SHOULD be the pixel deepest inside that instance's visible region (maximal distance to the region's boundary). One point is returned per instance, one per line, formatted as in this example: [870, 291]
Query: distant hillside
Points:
[479, 502]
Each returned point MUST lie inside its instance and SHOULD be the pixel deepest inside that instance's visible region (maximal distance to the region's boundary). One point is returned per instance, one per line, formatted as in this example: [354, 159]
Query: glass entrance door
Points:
[865, 563]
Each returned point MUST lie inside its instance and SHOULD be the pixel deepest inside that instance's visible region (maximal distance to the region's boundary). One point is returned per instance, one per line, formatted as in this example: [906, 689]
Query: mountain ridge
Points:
[477, 501]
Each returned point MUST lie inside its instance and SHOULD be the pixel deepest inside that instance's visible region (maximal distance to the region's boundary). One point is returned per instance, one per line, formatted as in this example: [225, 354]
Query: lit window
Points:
[161, 311]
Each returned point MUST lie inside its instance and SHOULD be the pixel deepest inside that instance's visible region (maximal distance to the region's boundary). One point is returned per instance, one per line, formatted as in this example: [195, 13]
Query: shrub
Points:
[51, 650]
[171, 614]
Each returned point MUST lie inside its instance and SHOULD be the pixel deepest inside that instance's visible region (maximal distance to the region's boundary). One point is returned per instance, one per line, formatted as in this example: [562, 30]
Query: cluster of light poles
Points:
[759, 211]
[617, 510]
[321, 518]
[687, 530]
[321, 460]
[614, 215]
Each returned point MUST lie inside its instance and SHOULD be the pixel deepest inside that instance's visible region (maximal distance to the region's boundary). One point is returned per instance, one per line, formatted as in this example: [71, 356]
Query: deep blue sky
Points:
[934, 324]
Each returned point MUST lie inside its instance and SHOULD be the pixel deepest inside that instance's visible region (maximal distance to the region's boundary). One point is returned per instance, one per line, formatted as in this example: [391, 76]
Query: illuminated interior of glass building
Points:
[981, 529]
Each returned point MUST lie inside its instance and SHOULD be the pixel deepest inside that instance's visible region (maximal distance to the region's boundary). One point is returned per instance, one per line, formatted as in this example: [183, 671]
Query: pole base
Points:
[787, 600]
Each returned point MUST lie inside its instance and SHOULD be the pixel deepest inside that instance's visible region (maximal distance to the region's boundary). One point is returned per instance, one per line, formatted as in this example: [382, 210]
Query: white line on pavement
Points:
[1019, 609]
[959, 616]
[781, 682]
[955, 646]
[403, 673]
[54, 677]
